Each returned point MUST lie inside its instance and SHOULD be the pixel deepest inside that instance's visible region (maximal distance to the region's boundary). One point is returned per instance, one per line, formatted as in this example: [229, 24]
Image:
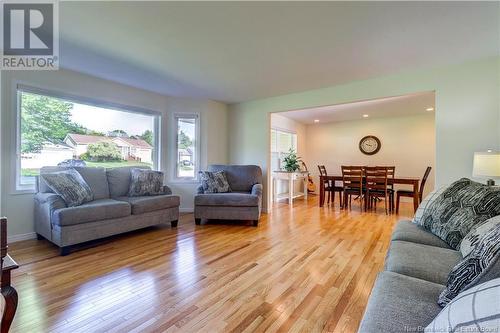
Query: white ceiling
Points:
[238, 51]
[397, 106]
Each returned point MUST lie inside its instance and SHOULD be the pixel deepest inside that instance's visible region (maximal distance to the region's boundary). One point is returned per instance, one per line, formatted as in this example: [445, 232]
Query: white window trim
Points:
[186, 180]
[18, 188]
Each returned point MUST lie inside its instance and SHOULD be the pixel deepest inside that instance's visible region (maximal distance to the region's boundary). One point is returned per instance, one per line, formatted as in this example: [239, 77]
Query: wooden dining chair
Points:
[410, 193]
[352, 183]
[376, 187]
[391, 173]
[330, 187]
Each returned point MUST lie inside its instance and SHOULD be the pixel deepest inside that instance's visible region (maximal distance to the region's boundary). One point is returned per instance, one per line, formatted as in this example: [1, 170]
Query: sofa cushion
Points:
[70, 185]
[233, 199]
[481, 265]
[473, 310]
[241, 178]
[462, 206]
[411, 232]
[119, 181]
[96, 210]
[94, 177]
[141, 205]
[424, 262]
[97, 180]
[400, 303]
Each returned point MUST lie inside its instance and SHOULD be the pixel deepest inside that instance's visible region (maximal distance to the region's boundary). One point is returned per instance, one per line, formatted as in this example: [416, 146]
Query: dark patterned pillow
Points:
[458, 209]
[481, 265]
[145, 182]
[70, 185]
[470, 241]
[214, 182]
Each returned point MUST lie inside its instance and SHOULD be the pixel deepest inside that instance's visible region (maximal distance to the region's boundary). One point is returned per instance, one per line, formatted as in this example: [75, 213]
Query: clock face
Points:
[369, 145]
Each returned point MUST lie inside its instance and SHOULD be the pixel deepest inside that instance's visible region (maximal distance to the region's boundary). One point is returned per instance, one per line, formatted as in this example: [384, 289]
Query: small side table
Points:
[290, 177]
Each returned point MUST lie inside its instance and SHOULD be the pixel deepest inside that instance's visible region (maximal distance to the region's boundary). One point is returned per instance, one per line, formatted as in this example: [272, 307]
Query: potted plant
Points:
[291, 162]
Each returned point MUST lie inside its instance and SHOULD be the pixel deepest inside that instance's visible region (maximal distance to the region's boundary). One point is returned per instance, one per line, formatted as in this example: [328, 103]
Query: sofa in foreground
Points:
[243, 202]
[111, 212]
[442, 269]
[405, 295]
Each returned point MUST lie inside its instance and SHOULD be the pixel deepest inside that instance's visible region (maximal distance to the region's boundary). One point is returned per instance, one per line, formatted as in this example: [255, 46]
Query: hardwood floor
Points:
[306, 269]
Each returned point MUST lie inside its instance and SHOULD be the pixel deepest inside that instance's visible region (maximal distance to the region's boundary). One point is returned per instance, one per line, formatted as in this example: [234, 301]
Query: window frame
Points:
[294, 138]
[197, 147]
[18, 88]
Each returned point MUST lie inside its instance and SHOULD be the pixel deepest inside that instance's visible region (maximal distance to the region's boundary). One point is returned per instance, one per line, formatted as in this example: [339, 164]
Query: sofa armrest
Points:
[167, 190]
[45, 205]
[55, 201]
[199, 189]
[257, 190]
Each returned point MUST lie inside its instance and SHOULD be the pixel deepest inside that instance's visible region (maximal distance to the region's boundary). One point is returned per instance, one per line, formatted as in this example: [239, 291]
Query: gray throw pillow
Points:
[458, 209]
[214, 182]
[70, 185]
[481, 265]
[145, 182]
[473, 310]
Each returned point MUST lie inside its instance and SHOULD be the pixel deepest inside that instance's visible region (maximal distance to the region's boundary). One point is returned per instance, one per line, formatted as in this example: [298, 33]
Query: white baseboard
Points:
[21, 237]
[186, 210]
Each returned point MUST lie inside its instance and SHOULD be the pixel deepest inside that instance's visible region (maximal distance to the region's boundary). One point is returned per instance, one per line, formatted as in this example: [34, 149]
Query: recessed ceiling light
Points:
[429, 109]
[365, 116]
[316, 120]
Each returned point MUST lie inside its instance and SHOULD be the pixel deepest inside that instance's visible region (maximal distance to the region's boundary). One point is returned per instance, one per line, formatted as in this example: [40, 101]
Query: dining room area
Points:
[370, 156]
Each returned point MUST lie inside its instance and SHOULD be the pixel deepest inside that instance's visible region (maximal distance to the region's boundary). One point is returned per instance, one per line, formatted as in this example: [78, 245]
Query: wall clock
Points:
[369, 145]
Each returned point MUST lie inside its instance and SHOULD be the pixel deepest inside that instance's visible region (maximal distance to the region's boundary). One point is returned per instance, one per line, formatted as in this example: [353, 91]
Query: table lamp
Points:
[487, 165]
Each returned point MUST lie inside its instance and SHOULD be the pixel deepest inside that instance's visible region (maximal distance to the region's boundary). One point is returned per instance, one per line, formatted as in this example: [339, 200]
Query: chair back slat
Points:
[391, 173]
[424, 180]
[322, 170]
[376, 178]
[352, 176]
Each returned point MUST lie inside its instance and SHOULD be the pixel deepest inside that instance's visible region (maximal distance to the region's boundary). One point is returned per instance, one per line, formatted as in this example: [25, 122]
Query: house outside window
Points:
[64, 131]
[187, 147]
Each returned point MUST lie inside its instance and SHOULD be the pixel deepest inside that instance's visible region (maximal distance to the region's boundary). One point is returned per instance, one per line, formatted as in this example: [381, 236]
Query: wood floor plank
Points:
[303, 269]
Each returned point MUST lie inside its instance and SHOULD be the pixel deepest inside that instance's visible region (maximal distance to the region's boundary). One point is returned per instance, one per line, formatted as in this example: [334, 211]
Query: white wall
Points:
[408, 142]
[213, 117]
[467, 113]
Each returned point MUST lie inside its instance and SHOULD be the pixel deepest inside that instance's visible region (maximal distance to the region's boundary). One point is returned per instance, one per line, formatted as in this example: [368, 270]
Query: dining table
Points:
[412, 181]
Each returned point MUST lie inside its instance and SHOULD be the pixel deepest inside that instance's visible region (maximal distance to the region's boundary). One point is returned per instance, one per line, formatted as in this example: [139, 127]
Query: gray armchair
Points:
[243, 203]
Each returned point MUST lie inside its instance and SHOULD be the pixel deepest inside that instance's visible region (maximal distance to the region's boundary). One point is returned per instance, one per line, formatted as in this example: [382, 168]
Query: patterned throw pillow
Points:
[472, 238]
[70, 185]
[214, 182]
[482, 264]
[427, 202]
[474, 310]
[145, 182]
[459, 208]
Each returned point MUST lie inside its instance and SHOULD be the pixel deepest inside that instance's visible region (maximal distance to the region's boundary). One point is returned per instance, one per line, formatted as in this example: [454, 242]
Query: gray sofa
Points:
[111, 212]
[243, 203]
[404, 297]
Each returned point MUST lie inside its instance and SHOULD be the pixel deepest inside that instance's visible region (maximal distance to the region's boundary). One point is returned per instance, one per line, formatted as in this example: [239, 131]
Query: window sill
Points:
[23, 191]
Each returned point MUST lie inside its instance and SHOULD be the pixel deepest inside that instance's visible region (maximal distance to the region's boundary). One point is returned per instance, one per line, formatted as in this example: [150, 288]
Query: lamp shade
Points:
[486, 164]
